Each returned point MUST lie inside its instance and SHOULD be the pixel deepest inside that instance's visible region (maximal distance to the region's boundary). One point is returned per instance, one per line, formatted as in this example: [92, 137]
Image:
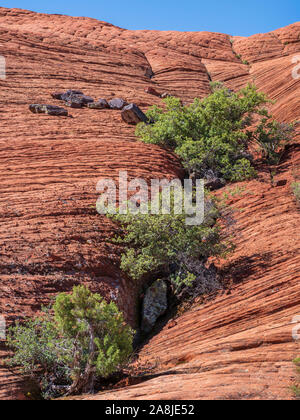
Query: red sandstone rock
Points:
[237, 346]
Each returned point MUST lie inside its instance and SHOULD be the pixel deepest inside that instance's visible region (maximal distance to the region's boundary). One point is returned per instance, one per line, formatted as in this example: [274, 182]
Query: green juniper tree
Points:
[165, 243]
[214, 133]
[67, 349]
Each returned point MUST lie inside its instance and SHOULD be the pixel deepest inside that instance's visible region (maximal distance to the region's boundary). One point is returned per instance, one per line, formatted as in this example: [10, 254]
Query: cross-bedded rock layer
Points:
[239, 345]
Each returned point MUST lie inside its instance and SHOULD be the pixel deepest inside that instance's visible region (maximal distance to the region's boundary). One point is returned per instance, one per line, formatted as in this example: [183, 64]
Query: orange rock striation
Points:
[238, 345]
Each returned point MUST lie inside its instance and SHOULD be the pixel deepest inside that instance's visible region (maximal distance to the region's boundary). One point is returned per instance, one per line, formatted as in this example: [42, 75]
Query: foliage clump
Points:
[66, 349]
[272, 137]
[215, 133]
[166, 244]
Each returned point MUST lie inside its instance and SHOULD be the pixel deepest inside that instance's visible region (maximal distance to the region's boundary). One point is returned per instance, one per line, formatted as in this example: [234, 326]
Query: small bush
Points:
[85, 339]
[296, 190]
[164, 243]
[215, 133]
[272, 137]
[41, 353]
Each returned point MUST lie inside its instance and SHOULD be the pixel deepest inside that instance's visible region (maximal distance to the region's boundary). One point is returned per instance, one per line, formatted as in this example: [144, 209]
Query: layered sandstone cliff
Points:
[237, 346]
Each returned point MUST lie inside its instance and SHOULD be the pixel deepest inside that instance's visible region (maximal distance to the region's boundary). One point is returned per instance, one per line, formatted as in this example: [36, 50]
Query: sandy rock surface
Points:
[237, 346]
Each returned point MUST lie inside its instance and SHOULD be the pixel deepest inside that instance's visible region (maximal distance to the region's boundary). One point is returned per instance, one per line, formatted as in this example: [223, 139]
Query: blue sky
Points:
[235, 17]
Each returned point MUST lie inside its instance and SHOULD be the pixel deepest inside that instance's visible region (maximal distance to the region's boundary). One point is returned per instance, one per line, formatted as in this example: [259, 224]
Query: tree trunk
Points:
[84, 382]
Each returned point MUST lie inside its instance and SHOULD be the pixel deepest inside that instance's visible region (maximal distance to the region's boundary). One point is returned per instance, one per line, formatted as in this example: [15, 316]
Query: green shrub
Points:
[214, 133]
[272, 137]
[40, 350]
[296, 190]
[86, 338]
[165, 243]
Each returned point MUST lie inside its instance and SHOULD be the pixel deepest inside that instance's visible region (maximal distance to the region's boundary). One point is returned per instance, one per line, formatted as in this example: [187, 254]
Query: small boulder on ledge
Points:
[57, 95]
[86, 99]
[117, 103]
[155, 305]
[73, 98]
[100, 104]
[48, 110]
[79, 101]
[74, 102]
[132, 114]
[67, 95]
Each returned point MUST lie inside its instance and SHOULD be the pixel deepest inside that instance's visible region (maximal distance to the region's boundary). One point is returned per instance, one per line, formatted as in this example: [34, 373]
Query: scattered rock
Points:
[57, 95]
[74, 102]
[100, 104]
[73, 98]
[155, 304]
[117, 103]
[49, 110]
[86, 99]
[67, 95]
[79, 101]
[152, 91]
[132, 114]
